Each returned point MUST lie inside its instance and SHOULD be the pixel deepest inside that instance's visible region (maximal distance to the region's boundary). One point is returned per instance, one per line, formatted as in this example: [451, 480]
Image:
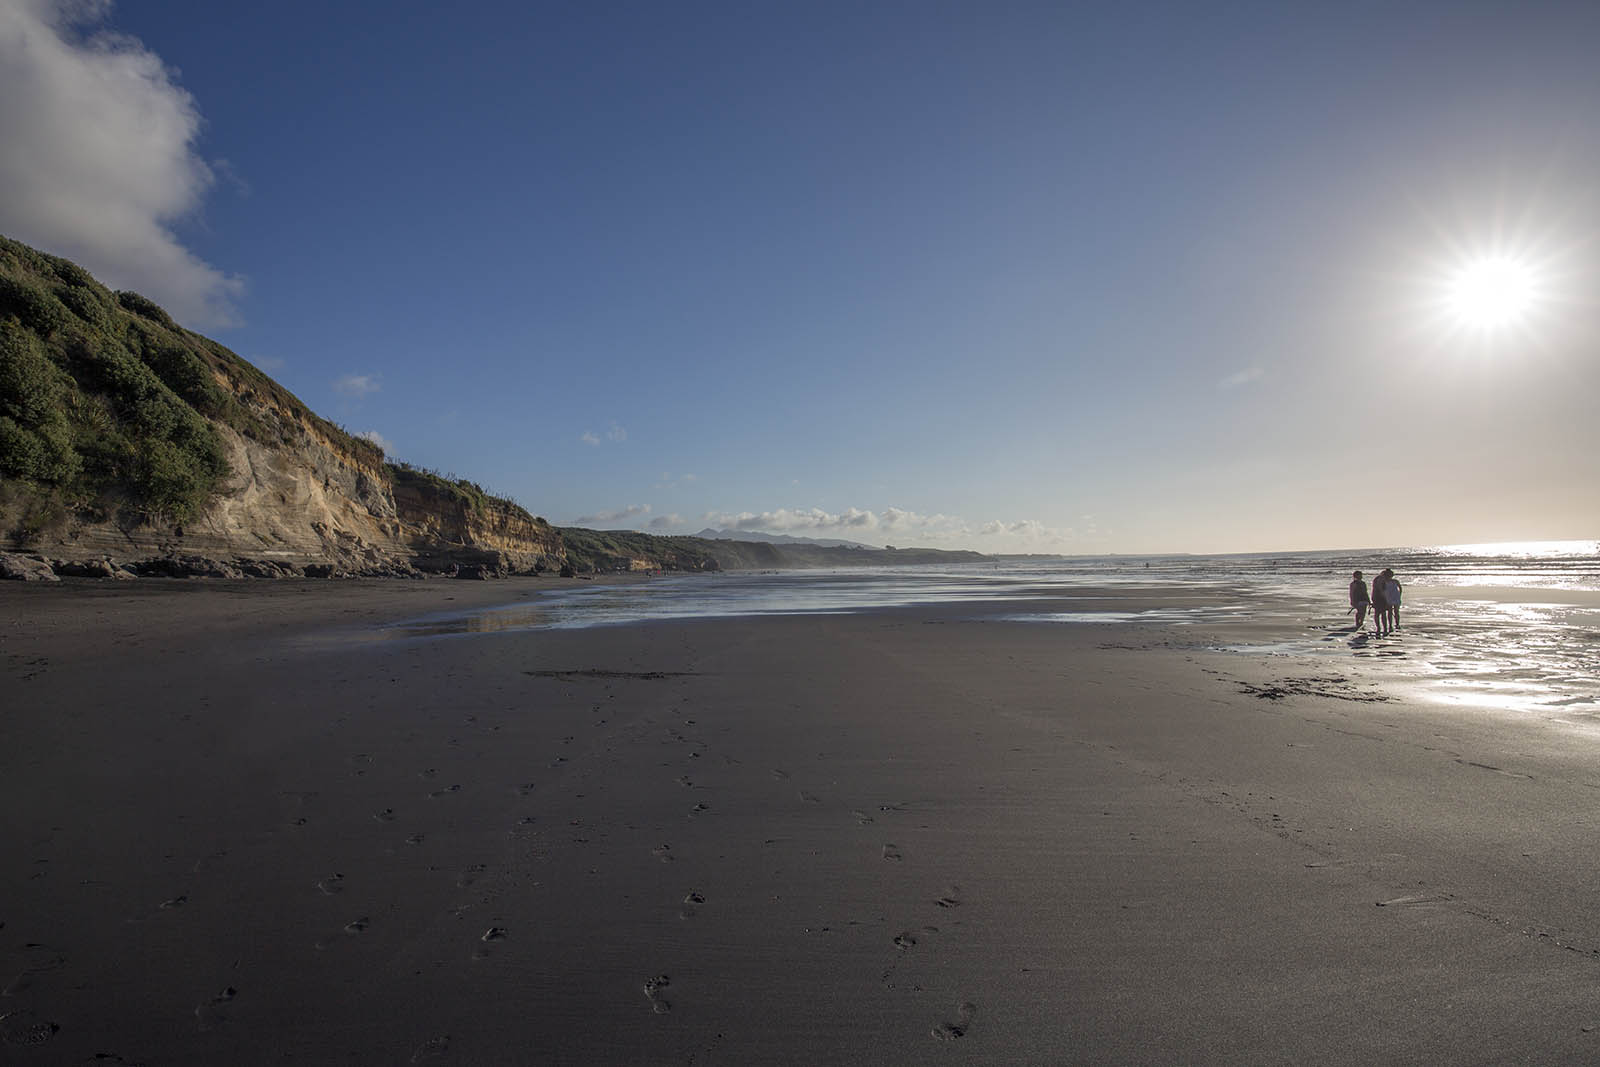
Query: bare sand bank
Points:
[896, 837]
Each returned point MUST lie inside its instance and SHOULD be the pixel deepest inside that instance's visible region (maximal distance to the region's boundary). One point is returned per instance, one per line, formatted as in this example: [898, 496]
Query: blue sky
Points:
[1013, 277]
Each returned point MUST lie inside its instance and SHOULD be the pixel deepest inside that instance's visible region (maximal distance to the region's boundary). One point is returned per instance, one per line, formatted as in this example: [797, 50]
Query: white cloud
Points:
[270, 364]
[1244, 377]
[666, 522]
[898, 525]
[357, 385]
[632, 511]
[614, 433]
[378, 439]
[99, 157]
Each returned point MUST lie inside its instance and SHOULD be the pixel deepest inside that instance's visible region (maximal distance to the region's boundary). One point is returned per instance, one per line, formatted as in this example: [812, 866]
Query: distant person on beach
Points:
[1358, 598]
[1391, 593]
[1380, 603]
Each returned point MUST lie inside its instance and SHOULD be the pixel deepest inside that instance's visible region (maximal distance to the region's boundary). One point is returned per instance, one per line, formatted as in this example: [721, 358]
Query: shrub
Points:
[170, 481]
[186, 374]
[145, 308]
[29, 391]
[88, 305]
[43, 454]
[33, 306]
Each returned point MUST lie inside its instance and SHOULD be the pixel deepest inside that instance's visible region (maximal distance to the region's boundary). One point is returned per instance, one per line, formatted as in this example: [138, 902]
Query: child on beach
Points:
[1392, 595]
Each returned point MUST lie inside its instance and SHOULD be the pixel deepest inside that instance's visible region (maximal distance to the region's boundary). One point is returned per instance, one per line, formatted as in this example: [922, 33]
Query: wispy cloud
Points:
[1244, 377]
[898, 524]
[666, 522]
[378, 439]
[99, 159]
[614, 433]
[357, 386]
[668, 481]
[632, 511]
[270, 364]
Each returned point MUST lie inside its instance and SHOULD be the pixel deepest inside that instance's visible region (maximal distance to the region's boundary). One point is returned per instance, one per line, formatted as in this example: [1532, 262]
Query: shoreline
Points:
[880, 837]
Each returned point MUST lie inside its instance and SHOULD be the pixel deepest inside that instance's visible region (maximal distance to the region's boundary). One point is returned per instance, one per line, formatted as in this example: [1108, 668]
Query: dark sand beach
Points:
[238, 827]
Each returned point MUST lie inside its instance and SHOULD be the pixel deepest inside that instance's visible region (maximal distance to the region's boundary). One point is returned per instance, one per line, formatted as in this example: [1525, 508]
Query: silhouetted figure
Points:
[1380, 603]
[1391, 593]
[1358, 599]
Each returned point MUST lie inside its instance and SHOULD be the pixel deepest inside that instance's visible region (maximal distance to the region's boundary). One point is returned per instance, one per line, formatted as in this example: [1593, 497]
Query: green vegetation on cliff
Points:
[620, 550]
[108, 406]
[470, 496]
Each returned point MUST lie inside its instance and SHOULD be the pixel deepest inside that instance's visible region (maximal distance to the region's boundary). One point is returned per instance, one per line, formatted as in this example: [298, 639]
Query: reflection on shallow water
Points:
[725, 596]
[1529, 656]
[1167, 616]
[1536, 650]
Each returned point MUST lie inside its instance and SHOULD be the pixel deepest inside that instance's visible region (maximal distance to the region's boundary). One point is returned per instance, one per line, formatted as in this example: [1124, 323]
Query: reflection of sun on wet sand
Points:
[823, 839]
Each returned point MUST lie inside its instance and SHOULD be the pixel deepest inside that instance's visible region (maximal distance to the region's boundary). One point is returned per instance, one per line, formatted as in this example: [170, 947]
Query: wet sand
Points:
[904, 836]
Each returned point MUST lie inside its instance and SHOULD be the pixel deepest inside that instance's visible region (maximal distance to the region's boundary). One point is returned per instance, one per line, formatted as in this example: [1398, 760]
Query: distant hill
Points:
[778, 539]
[620, 550]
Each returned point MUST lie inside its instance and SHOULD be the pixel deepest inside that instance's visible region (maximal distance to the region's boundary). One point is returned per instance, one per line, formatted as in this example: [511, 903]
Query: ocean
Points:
[1513, 626]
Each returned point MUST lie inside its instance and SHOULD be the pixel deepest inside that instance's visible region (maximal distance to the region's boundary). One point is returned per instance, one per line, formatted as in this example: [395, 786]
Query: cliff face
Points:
[123, 435]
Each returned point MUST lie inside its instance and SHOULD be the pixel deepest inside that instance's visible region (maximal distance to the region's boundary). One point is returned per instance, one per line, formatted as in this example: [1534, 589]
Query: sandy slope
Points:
[900, 837]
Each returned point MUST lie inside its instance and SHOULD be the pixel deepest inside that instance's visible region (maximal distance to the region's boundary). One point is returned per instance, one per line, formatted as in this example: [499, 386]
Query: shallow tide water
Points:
[1513, 627]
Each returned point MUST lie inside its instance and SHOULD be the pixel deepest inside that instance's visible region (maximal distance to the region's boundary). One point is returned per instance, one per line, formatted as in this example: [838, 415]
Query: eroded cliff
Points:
[125, 436]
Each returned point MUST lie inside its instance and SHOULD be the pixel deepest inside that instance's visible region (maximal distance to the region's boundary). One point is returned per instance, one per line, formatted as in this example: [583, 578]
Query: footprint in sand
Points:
[212, 1013]
[951, 1031]
[386, 815]
[951, 898]
[331, 885]
[809, 798]
[40, 960]
[691, 904]
[780, 775]
[469, 875]
[662, 853]
[446, 791]
[415, 839]
[652, 992]
[891, 852]
[863, 819]
[26, 1029]
[432, 1048]
[699, 809]
[487, 938]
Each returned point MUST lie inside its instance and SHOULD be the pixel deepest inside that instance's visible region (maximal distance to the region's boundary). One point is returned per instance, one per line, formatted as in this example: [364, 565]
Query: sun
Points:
[1491, 292]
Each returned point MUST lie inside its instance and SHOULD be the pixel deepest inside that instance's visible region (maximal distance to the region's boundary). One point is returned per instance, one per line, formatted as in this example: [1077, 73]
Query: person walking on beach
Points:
[1358, 599]
[1391, 593]
[1380, 604]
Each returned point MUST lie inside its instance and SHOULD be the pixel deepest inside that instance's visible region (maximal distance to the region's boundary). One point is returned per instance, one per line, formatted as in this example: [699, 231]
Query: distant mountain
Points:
[778, 539]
